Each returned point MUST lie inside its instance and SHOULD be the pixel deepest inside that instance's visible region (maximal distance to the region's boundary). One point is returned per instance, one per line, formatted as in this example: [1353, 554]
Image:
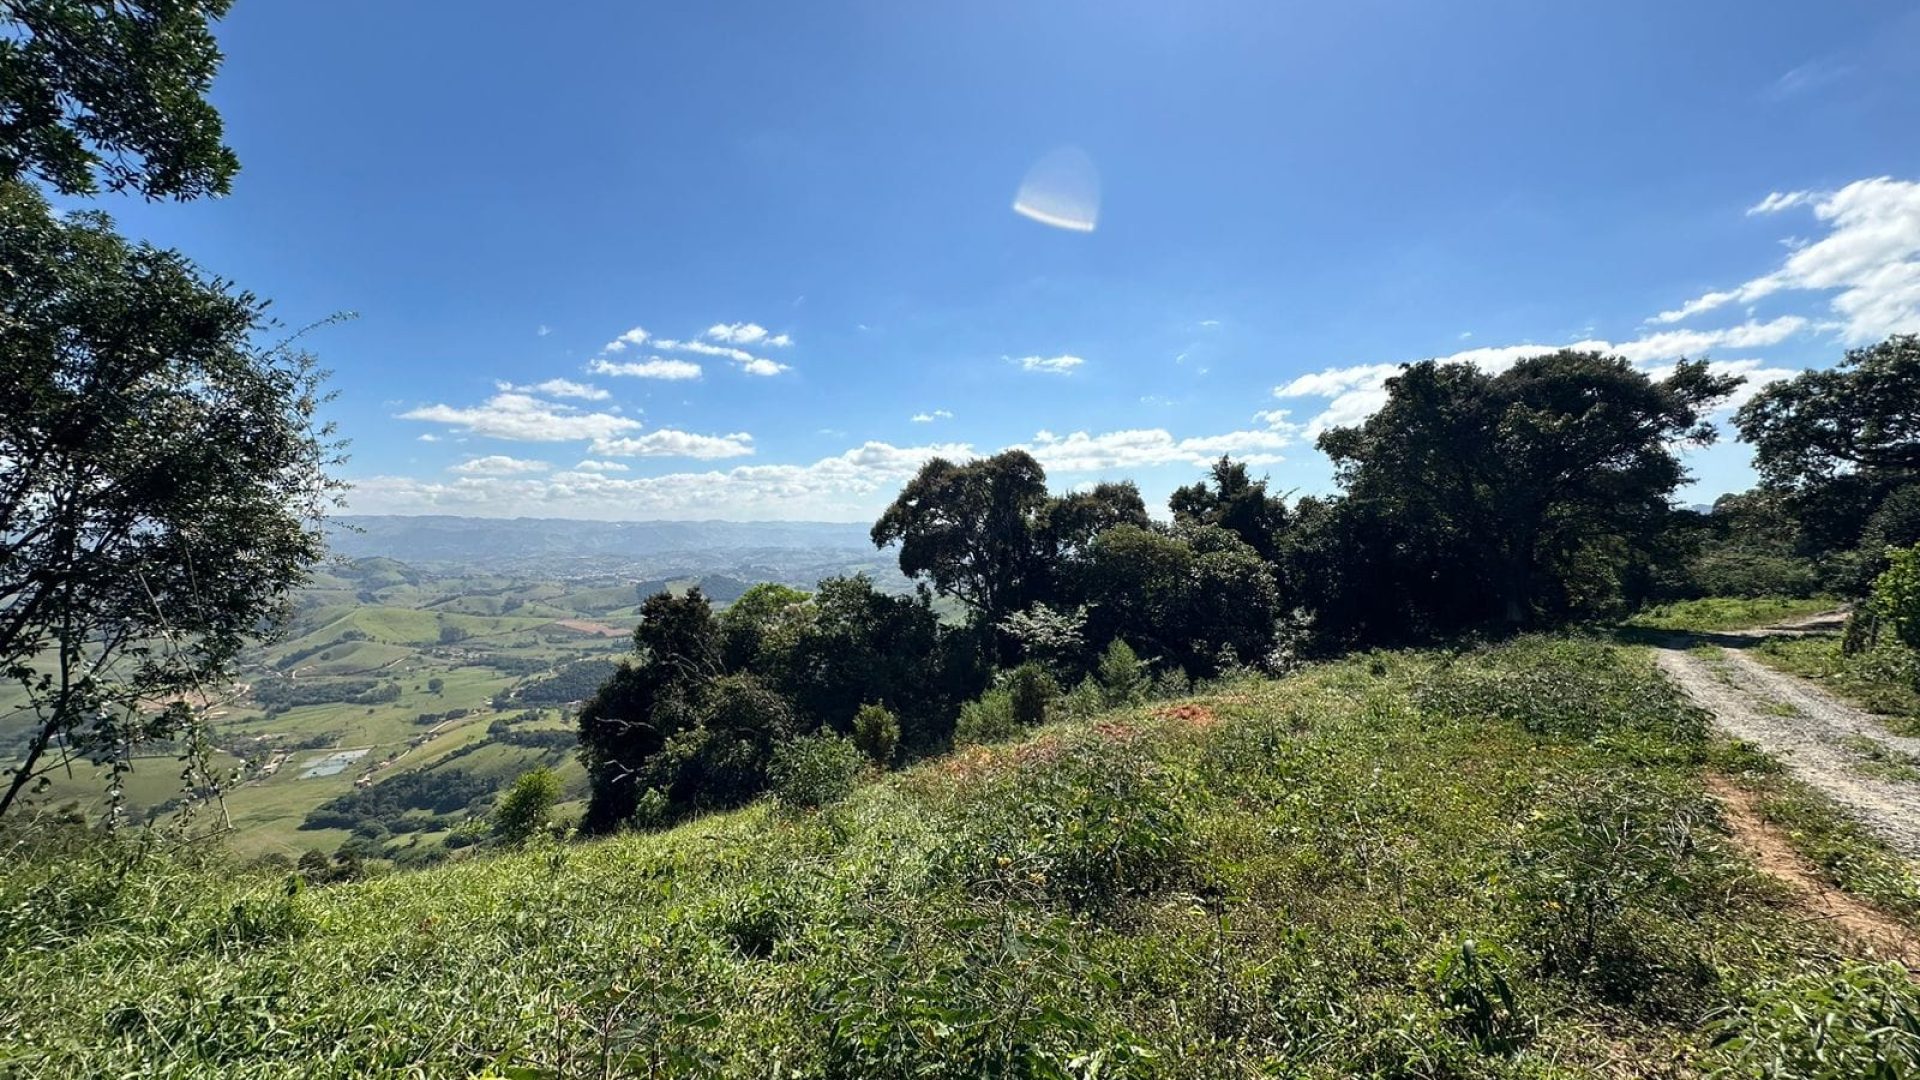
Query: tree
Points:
[1236, 503]
[648, 700]
[876, 731]
[1521, 495]
[721, 760]
[1896, 594]
[1067, 524]
[524, 809]
[761, 624]
[1837, 442]
[162, 482]
[1122, 677]
[970, 529]
[96, 93]
[864, 646]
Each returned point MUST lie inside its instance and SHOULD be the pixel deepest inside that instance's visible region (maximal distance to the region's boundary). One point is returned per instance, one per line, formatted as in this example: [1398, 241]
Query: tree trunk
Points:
[21, 777]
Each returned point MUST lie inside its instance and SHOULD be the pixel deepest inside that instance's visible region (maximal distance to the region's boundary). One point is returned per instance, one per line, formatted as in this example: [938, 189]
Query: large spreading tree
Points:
[1842, 445]
[1517, 497]
[162, 476]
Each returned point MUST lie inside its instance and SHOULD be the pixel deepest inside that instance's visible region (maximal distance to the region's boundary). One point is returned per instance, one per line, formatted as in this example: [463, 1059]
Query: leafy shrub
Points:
[1086, 830]
[986, 719]
[652, 809]
[1085, 700]
[1031, 692]
[1896, 595]
[876, 731]
[1123, 678]
[815, 771]
[1592, 874]
[1860, 1023]
[523, 810]
[753, 920]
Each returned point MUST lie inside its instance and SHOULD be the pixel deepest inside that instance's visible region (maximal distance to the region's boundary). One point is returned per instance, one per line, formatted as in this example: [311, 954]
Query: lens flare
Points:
[1062, 190]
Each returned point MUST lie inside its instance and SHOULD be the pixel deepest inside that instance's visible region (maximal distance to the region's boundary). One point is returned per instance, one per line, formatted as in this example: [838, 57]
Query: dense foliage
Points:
[162, 476]
[96, 93]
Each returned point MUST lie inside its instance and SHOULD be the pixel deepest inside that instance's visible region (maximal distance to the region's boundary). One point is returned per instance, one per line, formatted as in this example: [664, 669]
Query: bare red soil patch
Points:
[1764, 843]
[588, 626]
[1190, 714]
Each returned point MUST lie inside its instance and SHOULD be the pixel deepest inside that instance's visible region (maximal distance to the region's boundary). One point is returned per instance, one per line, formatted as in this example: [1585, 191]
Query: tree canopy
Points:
[112, 94]
[164, 478]
[1520, 494]
[1839, 442]
[969, 529]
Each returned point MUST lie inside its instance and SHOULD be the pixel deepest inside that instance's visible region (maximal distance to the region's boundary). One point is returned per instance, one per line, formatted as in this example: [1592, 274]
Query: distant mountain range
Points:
[797, 553]
[470, 540]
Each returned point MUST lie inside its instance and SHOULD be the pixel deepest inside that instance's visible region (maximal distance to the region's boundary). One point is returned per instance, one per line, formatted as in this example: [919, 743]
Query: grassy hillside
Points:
[1499, 864]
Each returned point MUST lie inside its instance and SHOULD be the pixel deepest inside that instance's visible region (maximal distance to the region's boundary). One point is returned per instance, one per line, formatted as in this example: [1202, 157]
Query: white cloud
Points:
[1357, 392]
[544, 330]
[1147, 447]
[747, 334]
[930, 417]
[1778, 201]
[762, 366]
[565, 388]
[524, 418]
[428, 436]
[670, 443]
[1672, 344]
[498, 465]
[636, 336]
[656, 368]
[749, 363]
[851, 486]
[1055, 365]
[1869, 260]
[590, 465]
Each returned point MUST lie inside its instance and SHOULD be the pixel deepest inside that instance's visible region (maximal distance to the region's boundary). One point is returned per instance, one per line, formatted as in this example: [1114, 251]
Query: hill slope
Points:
[1497, 864]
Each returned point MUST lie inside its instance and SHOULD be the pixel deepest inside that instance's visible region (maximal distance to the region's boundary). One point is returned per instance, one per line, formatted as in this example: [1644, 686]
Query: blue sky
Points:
[805, 212]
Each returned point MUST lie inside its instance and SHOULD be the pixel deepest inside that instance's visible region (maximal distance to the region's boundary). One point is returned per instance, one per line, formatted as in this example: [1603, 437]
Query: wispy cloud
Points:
[930, 417]
[1779, 200]
[1052, 365]
[747, 334]
[656, 368]
[749, 363]
[562, 388]
[1807, 78]
[590, 465]
[498, 465]
[670, 443]
[1869, 260]
[525, 418]
[1147, 447]
[848, 486]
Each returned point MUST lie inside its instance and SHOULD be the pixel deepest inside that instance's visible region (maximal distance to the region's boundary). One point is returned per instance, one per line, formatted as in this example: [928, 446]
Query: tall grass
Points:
[1497, 863]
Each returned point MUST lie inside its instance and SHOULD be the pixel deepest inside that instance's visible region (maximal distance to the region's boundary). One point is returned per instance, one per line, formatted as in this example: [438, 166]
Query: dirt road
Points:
[1844, 751]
